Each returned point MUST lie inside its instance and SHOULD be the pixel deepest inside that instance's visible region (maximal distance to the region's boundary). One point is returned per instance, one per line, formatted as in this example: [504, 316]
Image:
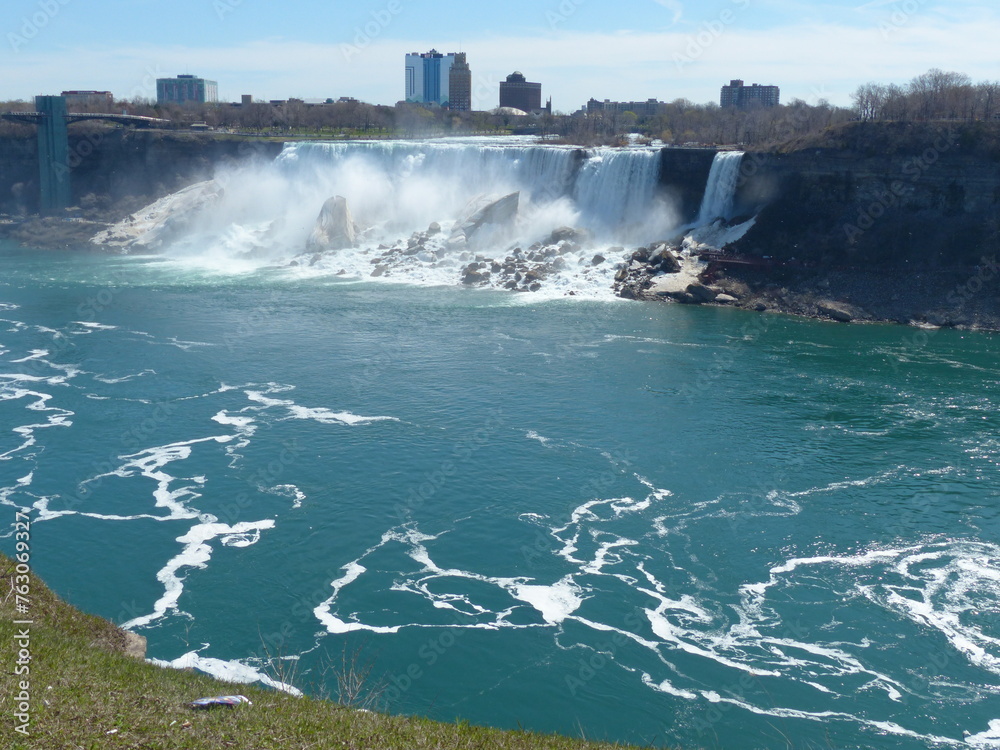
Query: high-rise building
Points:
[746, 97]
[460, 84]
[428, 77]
[520, 94]
[186, 88]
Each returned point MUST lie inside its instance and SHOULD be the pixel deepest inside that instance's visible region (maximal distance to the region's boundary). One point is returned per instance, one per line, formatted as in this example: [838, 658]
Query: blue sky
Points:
[629, 49]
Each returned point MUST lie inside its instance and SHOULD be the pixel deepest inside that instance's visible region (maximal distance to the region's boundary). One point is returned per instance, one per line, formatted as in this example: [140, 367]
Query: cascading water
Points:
[437, 172]
[615, 188]
[720, 191]
[410, 201]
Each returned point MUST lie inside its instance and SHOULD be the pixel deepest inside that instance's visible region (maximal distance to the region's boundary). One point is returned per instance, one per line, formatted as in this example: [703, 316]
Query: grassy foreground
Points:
[85, 693]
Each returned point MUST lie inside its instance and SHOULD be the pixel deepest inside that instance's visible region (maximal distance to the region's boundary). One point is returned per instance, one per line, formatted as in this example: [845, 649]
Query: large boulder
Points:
[335, 228]
[701, 293]
[664, 260]
[836, 310]
[500, 212]
[160, 223]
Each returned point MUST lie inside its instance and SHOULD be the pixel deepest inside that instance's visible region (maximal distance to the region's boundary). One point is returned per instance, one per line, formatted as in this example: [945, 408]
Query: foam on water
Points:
[123, 378]
[989, 738]
[942, 585]
[317, 414]
[556, 602]
[289, 491]
[787, 620]
[196, 554]
[227, 671]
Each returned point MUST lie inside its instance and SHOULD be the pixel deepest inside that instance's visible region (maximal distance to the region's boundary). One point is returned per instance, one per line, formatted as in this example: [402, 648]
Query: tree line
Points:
[935, 95]
[677, 123]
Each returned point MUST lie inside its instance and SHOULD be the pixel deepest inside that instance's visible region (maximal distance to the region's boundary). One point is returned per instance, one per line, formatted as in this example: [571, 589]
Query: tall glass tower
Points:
[428, 76]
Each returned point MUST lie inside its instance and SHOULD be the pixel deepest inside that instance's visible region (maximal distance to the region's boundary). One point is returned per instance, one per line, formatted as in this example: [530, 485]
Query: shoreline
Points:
[86, 679]
[962, 299]
[932, 299]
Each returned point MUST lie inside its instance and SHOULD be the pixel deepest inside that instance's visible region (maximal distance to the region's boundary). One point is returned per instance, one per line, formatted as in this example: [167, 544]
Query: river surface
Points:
[660, 524]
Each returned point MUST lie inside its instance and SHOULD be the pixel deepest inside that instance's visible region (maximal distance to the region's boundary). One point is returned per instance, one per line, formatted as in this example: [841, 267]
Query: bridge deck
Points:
[37, 117]
[122, 119]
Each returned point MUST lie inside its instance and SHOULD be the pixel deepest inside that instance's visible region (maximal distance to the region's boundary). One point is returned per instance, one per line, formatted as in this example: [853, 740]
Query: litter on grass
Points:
[220, 700]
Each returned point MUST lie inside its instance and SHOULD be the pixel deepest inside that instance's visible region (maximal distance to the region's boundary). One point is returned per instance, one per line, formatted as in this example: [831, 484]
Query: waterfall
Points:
[609, 188]
[410, 203]
[541, 173]
[615, 187]
[721, 187]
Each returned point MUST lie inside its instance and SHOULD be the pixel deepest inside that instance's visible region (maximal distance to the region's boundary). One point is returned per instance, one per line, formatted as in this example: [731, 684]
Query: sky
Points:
[578, 49]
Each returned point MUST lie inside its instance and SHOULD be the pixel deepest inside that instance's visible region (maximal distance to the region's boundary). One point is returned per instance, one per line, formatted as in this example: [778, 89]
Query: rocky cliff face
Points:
[868, 221]
[18, 175]
[936, 207]
[116, 166]
[683, 174]
[904, 229]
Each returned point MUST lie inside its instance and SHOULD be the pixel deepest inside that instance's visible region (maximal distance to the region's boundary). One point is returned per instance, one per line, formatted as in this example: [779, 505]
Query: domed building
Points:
[519, 93]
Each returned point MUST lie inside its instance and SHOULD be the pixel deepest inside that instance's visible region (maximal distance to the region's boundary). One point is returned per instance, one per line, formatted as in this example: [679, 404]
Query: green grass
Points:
[86, 693]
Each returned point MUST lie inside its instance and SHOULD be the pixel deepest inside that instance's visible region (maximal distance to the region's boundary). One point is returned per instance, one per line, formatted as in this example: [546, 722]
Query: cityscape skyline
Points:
[664, 49]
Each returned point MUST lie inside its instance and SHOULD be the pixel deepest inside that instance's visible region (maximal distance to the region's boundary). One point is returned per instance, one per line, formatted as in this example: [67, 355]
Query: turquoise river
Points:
[675, 526]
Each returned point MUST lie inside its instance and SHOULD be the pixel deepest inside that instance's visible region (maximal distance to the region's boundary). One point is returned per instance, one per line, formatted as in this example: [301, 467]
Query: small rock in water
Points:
[597, 260]
[567, 233]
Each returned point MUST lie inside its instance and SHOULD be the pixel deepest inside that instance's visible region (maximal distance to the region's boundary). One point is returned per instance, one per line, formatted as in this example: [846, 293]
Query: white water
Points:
[396, 190]
[721, 188]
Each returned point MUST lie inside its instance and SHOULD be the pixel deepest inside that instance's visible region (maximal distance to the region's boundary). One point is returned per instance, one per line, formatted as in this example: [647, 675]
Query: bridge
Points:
[35, 118]
[52, 119]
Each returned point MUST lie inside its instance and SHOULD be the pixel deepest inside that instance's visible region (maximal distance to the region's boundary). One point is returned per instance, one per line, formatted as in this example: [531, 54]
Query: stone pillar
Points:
[53, 154]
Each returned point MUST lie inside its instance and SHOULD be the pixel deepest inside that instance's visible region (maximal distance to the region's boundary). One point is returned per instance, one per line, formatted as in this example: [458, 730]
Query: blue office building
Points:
[427, 78]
